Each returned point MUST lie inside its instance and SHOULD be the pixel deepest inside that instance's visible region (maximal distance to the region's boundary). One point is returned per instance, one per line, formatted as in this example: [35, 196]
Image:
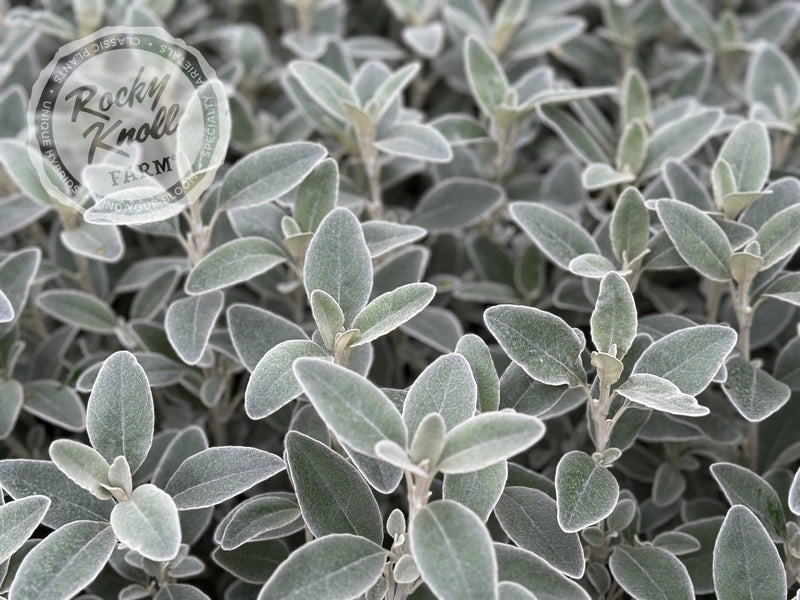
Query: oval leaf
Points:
[586, 492]
[79, 309]
[650, 573]
[148, 523]
[18, 520]
[233, 262]
[189, 322]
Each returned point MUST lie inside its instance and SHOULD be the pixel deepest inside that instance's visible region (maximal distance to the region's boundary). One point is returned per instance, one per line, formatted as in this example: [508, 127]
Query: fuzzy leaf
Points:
[254, 331]
[446, 387]
[453, 552]
[690, 357]
[357, 411]
[272, 383]
[456, 203]
[597, 176]
[486, 439]
[746, 562]
[477, 490]
[535, 575]
[586, 492]
[189, 322]
[697, 238]
[629, 227]
[338, 262]
[384, 236]
[18, 520]
[679, 139]
[779, 237]
[332, 494]
[529, 517]
[753, 392]
[268, 173]
[327, 89]
[660, 394]
[486, 78]
[390, 310]
[742, 486]
[560, 238]
[613, 322]
[479, 357]
[148, 523]
[64, 562]
[234, 262]
[317, 195]
[748, 152]
[541, 343]
[415, 141]
[120, 415]
[334, 567]
[219, 473]
[79, 309]
[650, 573]
[83, 465]
[694, 21]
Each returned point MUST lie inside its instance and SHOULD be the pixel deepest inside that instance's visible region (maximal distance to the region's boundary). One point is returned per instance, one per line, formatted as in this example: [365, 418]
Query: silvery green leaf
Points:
[661, 394]
[354, 409]
[64, 562]
[390, 90]
[689, 357]
[679, 139]
[770, 75]
[219, 473]
[779, 237]
[649, 573]
[338, 262]
[68, 502]
[573, 134]
[97, 242]
[693, 19]
[268, 173]
[632, 147]
[794, 494]
[557, 236]
[79, 309]
[437, 327]
[669, 484]
[147, 522]
[11, 400]
[12, 107]
[454, 552]
[456, 203]
[189, 322]
[529, 517]
[591, 266]
[586, 492]
[683, 184]
[328, 317]
[747, 151]
[14, 157]
[120, 414]
[477, 490]
[677, 542]
[538, 36]
[334, 567]
[272, 383]
[254, 331]
[383, 236]
[233, 262]
[486, 77]
[479, 357]
[597, 176]
[256, 516]
[18, 520]
[187, 442]
[415, 141]
[317, 195]
[635, 100]
[381, 475]
[331, 492]
[254, 562]
[508, 590]
[488, 438]
[753, 392]
[742, 486]
[19, 211]
[447, 387]
[428, 440]
[535, 575]
[774, 23]
[325, 87]
[746, 562]
[540, 342]
[526, 395]
[613, 322]
[629, 226]
[699, 240]
[390, 310]
[425, 40]
[460, 129]
[179, 591]
[83, 465]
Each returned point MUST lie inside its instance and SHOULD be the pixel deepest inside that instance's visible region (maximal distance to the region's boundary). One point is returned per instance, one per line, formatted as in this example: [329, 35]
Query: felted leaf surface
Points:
[586, 492]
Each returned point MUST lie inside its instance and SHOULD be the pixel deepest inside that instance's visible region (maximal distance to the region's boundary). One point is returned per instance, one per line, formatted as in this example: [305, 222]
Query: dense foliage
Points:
[490, 299]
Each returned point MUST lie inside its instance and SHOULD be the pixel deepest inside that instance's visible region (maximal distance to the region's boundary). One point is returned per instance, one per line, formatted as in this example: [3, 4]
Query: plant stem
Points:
[712, 300]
